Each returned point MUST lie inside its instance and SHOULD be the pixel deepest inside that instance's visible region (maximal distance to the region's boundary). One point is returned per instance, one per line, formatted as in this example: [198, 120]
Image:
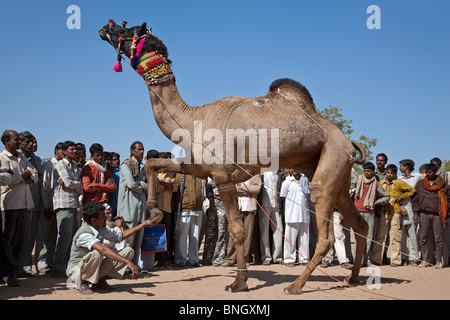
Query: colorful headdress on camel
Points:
[153, 67]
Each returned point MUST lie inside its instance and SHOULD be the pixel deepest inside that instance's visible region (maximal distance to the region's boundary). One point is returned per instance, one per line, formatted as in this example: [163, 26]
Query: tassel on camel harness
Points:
[118, 66]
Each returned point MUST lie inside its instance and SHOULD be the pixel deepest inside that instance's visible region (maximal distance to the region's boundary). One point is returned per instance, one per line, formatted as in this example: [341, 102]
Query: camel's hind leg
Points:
[348, 210]
[324, 210]
[325, 186]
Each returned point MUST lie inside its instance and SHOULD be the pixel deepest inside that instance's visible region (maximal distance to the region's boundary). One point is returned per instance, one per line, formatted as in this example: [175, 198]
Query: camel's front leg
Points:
[228, 195]
[152, 166]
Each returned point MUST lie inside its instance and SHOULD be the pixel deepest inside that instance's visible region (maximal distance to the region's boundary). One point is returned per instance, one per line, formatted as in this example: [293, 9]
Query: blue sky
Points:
[393, 83]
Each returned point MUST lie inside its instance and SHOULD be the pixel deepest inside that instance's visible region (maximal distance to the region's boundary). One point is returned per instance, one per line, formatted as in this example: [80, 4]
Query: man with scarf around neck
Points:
[97, 179]
[368, 194]
[430, 206]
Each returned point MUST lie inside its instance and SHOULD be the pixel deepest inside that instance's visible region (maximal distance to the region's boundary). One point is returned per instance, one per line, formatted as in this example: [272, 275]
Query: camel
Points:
[300, 138]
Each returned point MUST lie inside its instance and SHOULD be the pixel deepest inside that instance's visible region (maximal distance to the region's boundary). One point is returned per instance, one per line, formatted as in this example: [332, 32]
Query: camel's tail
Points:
[361, 149]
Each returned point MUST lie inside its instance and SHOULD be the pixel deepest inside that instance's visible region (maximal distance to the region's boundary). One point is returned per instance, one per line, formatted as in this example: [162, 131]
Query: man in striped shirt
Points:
[15, 200]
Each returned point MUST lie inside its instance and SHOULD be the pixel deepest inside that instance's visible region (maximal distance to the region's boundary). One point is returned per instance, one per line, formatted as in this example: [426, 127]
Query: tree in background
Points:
[446, 165]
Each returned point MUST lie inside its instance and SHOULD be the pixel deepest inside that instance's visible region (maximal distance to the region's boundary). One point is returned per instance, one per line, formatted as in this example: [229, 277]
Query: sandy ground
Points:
[265, 283]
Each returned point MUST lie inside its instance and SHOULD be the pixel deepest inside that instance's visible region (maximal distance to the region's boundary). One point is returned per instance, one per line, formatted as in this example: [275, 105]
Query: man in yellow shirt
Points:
[390, 218]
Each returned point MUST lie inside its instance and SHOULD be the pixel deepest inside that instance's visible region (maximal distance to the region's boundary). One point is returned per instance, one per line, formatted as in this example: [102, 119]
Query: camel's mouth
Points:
[104, 34]
[111, 33]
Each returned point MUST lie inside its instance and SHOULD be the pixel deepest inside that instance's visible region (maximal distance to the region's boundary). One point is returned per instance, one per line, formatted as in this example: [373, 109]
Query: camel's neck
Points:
[171, 112]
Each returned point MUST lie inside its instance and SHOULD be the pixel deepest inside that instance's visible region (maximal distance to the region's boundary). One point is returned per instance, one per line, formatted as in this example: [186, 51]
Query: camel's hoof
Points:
[156, 216]
[238, 287]
[292, 289]
[352, 279]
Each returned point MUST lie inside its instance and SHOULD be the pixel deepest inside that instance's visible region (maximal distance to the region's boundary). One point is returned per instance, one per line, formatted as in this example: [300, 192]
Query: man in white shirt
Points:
[295, 190]
[16, 199]
[65, 203]
[409, 245]
[90, 260]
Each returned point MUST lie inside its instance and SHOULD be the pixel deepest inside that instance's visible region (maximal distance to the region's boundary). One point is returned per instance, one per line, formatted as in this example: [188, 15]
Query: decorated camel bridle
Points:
[153, 67]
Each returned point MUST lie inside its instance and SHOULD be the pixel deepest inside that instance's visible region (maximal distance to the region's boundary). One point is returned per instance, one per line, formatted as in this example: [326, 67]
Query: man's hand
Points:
[26, 176]
[113, 255]
[135, 271]
[404, 211]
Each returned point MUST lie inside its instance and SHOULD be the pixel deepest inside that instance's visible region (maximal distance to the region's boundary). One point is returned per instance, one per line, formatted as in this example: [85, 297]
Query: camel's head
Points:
[148, 55]
[121, 38]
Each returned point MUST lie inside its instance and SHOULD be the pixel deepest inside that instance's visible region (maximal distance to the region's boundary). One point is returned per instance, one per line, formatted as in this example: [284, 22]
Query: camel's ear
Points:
[143, 29]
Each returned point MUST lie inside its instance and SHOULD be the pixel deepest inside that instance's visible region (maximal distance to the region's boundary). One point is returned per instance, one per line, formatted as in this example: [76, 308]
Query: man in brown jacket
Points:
[430, 206]
[247, 193]
[189, 220]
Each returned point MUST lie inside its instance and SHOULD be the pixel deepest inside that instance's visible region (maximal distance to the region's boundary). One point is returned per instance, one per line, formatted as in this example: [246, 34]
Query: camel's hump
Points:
[291, 84]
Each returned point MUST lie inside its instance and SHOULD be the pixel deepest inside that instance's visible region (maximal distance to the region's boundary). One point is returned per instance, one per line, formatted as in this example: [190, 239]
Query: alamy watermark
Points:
[374, 281]
[236, 146]
[374, 21]
[74, 20]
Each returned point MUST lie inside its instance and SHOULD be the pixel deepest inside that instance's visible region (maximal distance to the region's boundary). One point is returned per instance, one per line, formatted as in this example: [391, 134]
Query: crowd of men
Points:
[86, 220]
